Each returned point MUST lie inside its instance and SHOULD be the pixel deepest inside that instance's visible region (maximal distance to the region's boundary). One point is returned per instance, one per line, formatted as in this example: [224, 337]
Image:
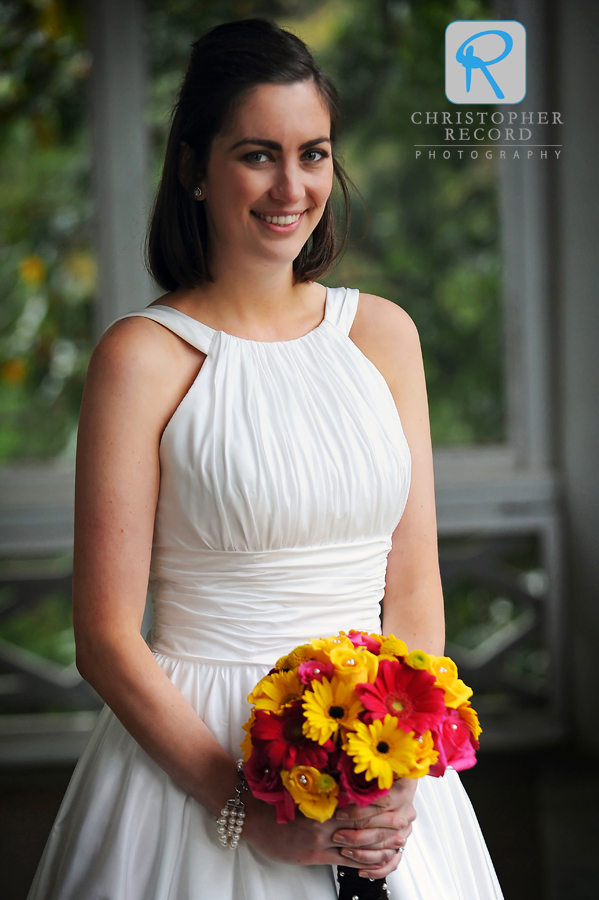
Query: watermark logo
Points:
[485, 62]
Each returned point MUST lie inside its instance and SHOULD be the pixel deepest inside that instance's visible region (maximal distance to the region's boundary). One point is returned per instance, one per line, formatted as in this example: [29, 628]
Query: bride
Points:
[257, 445]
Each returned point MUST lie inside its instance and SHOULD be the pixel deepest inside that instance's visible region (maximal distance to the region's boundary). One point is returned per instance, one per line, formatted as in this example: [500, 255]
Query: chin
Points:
[281, 252]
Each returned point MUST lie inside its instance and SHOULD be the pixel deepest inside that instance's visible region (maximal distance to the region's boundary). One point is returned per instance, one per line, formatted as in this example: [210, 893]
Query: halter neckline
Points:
[213, 331]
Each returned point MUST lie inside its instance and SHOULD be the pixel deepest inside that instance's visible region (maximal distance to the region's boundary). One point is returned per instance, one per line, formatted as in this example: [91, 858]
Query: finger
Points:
[390, 820]
[383, 870]
[369, 858]
[393, 800]
[394, 820]
[355, 813]
[392, 840]
[366, 837]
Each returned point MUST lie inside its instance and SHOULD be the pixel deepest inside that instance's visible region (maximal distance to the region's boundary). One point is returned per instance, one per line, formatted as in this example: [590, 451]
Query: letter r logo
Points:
[485, 62]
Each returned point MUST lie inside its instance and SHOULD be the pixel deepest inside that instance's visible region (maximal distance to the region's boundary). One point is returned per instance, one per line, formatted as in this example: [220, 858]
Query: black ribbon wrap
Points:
[351, 885]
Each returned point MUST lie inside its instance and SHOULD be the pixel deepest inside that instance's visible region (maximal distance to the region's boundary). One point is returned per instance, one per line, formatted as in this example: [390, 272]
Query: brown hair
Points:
[226, 62]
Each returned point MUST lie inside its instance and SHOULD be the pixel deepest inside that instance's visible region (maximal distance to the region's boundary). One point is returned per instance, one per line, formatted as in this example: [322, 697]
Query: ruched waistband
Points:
[243, 607]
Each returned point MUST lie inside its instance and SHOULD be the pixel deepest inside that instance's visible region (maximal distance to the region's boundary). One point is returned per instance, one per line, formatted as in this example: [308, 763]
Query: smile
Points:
[279, 220]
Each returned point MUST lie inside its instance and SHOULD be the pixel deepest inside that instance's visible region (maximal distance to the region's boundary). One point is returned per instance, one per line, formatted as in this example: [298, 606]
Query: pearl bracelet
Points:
[230, 823]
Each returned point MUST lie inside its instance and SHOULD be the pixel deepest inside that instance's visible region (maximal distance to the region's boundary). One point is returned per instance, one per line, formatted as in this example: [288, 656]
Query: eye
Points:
[315, 155]
[256, 156]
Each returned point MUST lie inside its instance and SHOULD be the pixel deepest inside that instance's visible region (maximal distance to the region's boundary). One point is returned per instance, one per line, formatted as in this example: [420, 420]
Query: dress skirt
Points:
[126, 831]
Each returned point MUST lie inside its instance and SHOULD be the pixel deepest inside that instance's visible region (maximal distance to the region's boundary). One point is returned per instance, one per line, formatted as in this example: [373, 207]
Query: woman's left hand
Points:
[385, 824]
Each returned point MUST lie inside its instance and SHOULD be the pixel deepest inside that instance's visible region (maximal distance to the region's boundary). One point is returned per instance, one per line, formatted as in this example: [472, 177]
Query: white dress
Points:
[284, 472]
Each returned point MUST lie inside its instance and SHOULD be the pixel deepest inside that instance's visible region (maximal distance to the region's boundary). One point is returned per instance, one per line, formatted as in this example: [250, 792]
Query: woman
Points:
[241, 441]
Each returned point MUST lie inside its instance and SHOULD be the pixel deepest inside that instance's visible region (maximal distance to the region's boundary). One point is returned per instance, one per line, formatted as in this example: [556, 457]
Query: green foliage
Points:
[46, 264]
[430, 238]
[45, 629]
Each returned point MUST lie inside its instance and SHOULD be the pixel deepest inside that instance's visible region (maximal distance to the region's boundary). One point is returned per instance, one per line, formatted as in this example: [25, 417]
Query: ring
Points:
[400, 849]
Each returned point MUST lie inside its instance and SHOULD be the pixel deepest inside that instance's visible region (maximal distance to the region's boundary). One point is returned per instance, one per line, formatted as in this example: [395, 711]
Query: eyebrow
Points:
[274, 145]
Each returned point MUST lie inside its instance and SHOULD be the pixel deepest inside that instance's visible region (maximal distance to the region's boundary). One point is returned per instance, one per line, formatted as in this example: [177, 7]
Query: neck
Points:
[258, 301]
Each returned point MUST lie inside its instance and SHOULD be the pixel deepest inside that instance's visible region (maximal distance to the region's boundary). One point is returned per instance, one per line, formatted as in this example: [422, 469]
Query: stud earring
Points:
[198, 193]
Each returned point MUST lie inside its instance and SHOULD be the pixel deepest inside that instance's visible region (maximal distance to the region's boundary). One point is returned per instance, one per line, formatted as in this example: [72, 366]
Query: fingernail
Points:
[349, 853]
[338, 840]
[341, 815]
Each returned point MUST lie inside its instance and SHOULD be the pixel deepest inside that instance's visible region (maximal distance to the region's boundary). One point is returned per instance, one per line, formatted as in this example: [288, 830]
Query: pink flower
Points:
[312, 670]
[359, 639]
[354, 788]
[455, 743]
[281, 739]
[406, 693]
[265, 783]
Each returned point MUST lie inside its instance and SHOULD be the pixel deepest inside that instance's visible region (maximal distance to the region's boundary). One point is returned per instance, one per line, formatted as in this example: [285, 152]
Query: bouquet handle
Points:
[351, 885]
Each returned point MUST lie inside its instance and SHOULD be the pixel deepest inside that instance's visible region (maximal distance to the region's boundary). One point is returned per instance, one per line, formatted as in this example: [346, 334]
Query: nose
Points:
[288, 186]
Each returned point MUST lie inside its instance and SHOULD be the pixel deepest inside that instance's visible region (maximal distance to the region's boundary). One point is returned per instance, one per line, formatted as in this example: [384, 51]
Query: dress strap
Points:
[195, 333]
[342, 304]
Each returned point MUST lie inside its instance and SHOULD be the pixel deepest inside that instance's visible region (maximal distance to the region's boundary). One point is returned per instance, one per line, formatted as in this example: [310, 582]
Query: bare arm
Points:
[135, 377]
[413, 604]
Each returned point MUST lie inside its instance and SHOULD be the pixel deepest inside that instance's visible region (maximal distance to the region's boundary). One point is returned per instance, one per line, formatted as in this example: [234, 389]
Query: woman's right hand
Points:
[306, 842]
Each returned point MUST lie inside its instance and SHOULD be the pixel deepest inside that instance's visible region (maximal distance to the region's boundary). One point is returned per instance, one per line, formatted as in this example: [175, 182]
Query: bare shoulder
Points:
[140, 348]
[143, 368]
[136, 346]
[387, 335]
[376, 313]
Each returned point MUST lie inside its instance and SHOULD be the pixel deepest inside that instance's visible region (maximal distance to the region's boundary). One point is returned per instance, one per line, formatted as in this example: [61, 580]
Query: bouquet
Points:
[339, 719]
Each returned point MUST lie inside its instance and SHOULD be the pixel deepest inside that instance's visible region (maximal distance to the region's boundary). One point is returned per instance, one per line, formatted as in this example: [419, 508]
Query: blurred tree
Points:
[47, 268]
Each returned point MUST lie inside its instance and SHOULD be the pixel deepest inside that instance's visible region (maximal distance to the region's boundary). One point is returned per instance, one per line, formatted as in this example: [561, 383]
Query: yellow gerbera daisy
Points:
[277, 691]
[382, 750]
[329, 706]
[258, 691]
[314, 792]
[470, 717]
[446, 672]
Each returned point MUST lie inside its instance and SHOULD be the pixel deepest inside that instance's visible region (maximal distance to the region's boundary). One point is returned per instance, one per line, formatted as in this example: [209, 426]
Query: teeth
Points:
[280, 220]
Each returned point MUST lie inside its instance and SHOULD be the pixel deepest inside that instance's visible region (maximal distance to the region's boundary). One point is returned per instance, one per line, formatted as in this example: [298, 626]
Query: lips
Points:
[281, 220]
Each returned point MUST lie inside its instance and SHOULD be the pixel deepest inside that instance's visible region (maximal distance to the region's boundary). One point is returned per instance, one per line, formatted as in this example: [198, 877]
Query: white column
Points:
[120, 155]
[526, 236]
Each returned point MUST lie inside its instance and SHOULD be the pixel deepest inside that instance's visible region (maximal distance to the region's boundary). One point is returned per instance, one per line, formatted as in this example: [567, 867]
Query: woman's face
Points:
[269, 175]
